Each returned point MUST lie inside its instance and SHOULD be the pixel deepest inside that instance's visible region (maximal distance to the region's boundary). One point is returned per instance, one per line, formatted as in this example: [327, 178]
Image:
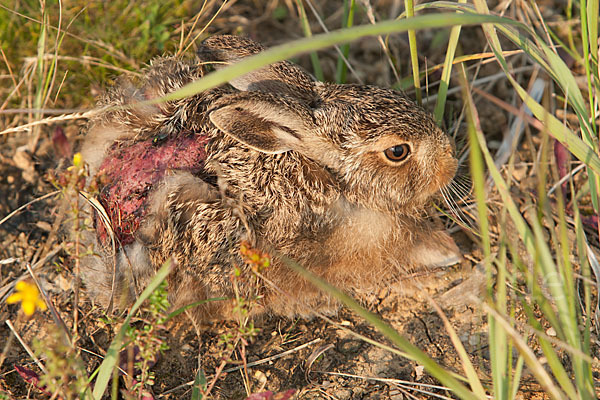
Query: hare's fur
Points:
[292, 165]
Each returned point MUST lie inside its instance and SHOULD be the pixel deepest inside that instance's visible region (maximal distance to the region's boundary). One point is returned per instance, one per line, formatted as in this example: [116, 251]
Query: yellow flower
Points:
[29, 296]
[77, 159]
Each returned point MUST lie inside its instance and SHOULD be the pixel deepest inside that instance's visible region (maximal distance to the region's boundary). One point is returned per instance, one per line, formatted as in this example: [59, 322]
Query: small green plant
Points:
[72, 183]
[243, 332]
[65, 374]
[145, 341]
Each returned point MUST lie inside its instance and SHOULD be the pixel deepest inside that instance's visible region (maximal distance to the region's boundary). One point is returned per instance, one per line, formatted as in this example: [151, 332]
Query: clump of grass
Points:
[77, 44]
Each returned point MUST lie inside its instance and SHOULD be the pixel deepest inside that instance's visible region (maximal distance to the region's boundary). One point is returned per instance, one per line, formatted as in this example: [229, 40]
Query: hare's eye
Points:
[397, 153]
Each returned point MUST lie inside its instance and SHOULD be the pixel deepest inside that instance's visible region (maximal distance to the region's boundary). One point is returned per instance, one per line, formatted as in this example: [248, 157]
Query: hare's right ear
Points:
[265, 125]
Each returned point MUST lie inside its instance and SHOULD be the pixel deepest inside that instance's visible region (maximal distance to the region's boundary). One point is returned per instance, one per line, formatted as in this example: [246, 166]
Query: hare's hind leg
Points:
[189, 223]
[115, 278]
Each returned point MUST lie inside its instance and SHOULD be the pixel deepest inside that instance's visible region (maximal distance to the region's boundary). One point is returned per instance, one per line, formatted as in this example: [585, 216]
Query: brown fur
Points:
[301, 169]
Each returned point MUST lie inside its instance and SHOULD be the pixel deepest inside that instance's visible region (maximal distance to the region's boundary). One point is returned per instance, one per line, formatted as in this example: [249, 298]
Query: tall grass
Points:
[550, 282]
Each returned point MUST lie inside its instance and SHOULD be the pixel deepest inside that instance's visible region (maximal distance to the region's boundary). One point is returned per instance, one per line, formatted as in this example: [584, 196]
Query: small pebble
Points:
[419, 372]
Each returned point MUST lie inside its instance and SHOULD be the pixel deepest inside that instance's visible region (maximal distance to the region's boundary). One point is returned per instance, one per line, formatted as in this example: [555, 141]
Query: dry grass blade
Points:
[26, 205]
[109, 49]
[308, 363]
[596, 268]
[85, 60]
[101, 211]
[512, 138]
[440, 106]
[342, 327]
[12, 76]
[468, 367]
[223, 4]
[250, 364]
[51, 120]
[384, 47]
[536, 367]
[337, 48]
[566, 178]
[25, 346]
[408, 385]
[55, 315]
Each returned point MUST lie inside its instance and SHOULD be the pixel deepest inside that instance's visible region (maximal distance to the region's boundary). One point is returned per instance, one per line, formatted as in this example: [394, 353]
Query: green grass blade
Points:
[518, 371]
[341, 68]
[497, 336]
[192, 305]
[529, 357]
[314, 57]
[468, 367]
[534, 240]
[414, 54]
[584, 251]
[593, 10]
[589, 36]
[572, 142]
[553, 361]
[110, 360]
[440, 104]
[199, 382]
[324, 40]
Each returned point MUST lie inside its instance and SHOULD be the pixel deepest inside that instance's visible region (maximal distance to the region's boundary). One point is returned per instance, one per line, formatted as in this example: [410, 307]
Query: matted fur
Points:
[291, 164]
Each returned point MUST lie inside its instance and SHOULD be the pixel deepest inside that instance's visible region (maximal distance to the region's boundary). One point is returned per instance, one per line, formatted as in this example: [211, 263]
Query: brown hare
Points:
[333, 176]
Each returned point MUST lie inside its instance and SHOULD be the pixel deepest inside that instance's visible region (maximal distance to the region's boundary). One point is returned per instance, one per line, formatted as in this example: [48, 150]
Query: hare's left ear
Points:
[281, 77]
[264, 124]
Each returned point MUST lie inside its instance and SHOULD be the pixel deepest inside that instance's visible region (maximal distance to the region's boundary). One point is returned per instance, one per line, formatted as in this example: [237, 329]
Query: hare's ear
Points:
[281, 77]
[265, 126]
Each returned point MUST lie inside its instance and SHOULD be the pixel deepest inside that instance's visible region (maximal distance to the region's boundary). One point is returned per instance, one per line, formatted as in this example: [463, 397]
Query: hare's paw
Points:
[435, 249]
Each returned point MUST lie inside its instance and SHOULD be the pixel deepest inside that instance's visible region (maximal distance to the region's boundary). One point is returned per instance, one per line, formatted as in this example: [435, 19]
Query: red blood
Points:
[129, 173]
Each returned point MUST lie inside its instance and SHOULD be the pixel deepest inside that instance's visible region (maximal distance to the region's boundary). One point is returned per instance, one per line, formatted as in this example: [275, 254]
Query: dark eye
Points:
[397, 153]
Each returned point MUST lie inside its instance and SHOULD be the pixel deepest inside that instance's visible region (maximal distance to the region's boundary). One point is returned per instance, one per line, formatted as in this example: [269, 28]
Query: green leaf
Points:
[112, 355]
[199, 382]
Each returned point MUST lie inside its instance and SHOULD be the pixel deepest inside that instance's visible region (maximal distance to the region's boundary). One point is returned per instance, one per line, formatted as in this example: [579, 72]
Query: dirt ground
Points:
[318, 358]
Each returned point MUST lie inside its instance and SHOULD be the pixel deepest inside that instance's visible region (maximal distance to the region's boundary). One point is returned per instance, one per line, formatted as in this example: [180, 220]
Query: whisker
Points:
[462, 194]
[463, 188]
[453, 208]
[450, 193]
[464, 182]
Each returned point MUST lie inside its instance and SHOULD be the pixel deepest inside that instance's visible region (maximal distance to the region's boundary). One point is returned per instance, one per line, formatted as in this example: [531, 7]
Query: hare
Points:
[335, 176]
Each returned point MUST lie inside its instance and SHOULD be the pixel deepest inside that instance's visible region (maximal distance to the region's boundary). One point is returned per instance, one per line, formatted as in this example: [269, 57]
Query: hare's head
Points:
[385, 152]
[393, 154]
